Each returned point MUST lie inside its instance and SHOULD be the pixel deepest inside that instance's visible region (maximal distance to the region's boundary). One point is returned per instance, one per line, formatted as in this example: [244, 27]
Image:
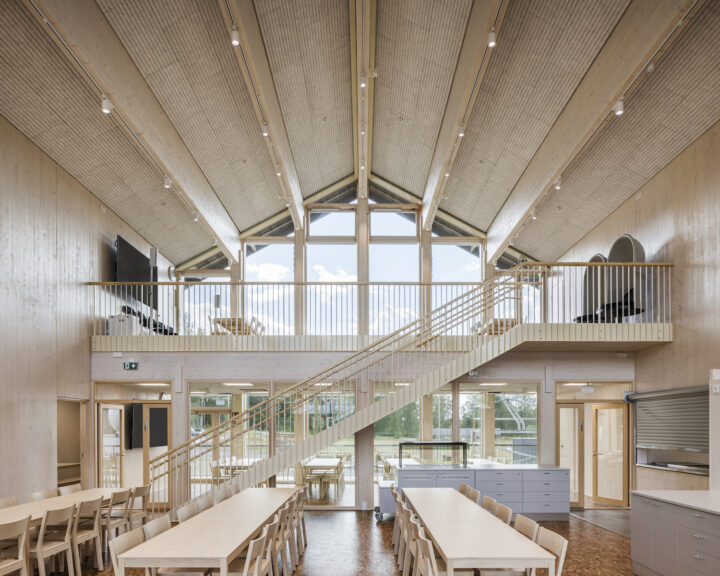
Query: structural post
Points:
[272, 448]
[488, 423]
[299, 278]
[426, 424]
[456, 419]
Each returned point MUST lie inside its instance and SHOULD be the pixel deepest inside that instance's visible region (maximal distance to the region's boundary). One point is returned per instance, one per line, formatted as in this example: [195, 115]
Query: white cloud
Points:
[324, 275]
[269, 272]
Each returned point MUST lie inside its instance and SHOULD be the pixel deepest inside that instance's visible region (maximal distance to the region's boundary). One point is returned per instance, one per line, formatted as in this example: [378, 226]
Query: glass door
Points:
[610, 481]
[569, 450]
[111, 439]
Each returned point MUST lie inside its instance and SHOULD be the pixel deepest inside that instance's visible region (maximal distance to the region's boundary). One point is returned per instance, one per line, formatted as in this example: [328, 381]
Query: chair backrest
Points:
[156, 526]
[17, 530]
[299, 474]
[489, 504]
[464, 489]
[204, 501]
[503, 512]
[300, 502]
[140, 494]
[119, 500]
[474, 495]
[553, 542]
[526, 526]
[427, 556]
[282, 518]
[186, 512]
[255, 551]
[89, 510]
[9, 501]
[58, 521]
[272, 530]
[42, 494]
[69, 489]
[123, 543]
[406, 519]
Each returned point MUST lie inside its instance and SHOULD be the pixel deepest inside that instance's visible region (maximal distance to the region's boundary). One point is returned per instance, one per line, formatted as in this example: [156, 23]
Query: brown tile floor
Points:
[354, 544]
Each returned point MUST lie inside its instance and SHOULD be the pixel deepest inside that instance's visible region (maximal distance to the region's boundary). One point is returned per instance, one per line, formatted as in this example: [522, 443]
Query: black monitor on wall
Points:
[131, 265]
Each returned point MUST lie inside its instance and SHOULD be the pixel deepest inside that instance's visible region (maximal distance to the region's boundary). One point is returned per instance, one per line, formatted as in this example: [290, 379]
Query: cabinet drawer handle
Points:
[546, 473]
[546, 483]
[546, 505]
[699, 537]
[699, 557]
[699, 515]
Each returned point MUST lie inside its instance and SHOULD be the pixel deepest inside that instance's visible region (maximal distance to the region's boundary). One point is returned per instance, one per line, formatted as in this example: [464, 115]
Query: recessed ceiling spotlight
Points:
[235, 37]
[362, 167]
[534, 214]
[265, 130]
[461, 131]
[650, 67]
[447, 174]
[238, 384]
[558, 183]
[278, 173]
[619, 107]
[167, 183]
[196, 216]
[106, 106]
[492, 39]
[363, 82]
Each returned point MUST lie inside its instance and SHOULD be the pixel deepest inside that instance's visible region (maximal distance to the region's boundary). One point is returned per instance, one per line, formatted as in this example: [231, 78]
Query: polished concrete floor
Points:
[355, 544]
[617, 521]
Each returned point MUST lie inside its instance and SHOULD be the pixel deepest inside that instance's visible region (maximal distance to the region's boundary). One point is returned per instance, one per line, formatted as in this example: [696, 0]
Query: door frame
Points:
[146, 432]
[580, 407]
[625, 467]
[99, 444]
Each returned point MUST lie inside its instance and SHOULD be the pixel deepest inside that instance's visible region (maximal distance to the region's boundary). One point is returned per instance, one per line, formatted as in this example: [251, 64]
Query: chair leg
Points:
[304, 531]
[76, 554]
[294, 550]
[406, 561]
[98, 553]
[70, 563]
[283, 557]
[41, 565]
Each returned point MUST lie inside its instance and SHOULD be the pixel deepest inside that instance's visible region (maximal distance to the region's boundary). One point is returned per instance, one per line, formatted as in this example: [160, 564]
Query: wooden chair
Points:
[9, 501]
[489, 504]
[398, 524]
[554, 543]
[256, 563]
[464, 489]
[186, 512]
[474, 495]
[415, 529]
[204, 501]
[280, 543]
[428, 564]
[292, 541]
[503, 512]
[156, 526]
[526, 526]
[15, 557]
[140, 494]
[301, 531]
[220, 493]
[123, 543]
[69, 489]
[271, 530]
[86, 528]
[115, 517]
[43, 494]
[54, 537]
[408, 545]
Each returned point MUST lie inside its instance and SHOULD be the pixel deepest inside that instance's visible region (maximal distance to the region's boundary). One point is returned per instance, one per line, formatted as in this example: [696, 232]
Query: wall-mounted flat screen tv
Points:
[131, 265]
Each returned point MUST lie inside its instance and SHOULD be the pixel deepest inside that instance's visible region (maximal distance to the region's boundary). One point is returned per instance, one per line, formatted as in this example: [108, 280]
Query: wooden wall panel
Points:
[675, 217]
[54, 237]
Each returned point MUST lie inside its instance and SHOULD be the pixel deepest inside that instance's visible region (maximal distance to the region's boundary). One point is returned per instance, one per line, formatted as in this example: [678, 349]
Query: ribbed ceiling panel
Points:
[671, 108]
[417, 46]
[308, 47]
[182, 48]
[46, 99]
[544, 49]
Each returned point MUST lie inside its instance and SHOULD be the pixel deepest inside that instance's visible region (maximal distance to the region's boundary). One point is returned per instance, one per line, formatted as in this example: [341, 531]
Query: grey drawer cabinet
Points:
[672, 539]
[454, 479]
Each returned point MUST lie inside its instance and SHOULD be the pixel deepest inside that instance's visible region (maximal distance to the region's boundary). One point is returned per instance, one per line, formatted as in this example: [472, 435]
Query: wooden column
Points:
[426, 424]
[488, 423]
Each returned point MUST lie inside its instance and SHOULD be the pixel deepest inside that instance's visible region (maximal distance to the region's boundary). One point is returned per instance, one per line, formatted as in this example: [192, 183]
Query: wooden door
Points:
[610, 455]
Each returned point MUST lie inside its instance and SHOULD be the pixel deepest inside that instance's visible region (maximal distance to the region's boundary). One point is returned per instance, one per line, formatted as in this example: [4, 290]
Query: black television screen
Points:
[131, 265]
[134, 426]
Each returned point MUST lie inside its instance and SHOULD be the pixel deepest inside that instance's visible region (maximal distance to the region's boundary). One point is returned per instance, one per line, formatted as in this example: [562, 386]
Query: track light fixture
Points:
[363, 82]
[492, 39]
[278, 173]
[534, 214]
[558, 183]
[447, 174]
[196, 216]
[235, 37]
[619, 107]
[167, 183]
[265, 130]
[461, 130]
[106, 106]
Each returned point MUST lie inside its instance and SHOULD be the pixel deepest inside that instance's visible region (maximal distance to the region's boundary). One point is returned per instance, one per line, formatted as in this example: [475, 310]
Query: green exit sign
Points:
[130, 365]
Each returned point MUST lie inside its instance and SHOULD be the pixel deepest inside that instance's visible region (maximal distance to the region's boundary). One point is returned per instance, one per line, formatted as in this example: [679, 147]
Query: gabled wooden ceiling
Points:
[182, 51]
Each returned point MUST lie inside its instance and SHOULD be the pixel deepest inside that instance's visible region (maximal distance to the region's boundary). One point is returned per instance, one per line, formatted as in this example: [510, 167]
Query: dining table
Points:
[213, 538]
[468, 537]
[37, 508]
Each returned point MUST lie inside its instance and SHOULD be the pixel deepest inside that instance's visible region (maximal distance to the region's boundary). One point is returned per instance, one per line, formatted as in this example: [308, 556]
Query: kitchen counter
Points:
[701, 500]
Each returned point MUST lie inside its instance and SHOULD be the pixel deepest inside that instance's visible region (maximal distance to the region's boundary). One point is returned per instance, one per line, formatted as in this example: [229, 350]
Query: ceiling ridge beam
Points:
[253, 60]
[485, 17]
[642, 31]
[363, 17]
[86, 38]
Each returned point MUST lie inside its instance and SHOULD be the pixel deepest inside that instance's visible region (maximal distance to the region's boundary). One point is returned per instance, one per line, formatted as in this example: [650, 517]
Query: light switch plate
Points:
[716, 388]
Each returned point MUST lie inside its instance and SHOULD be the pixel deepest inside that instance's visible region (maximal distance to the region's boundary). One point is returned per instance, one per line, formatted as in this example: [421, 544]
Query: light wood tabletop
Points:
[36, 509]
[467, 536]
[213, 538]
[322, 463]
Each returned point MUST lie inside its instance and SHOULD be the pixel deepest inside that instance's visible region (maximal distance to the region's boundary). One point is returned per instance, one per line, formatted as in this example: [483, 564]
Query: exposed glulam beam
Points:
[362, 38]
[643, 29]
[255, 67]
[80, 27]
[475, 53]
